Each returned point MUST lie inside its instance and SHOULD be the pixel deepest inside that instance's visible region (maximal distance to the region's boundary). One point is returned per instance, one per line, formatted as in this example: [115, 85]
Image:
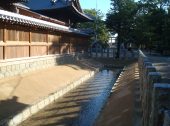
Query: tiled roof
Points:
[46, 4]
[25, 20]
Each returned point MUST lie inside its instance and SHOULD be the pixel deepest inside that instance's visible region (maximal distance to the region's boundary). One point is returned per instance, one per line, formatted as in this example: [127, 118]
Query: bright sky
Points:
[103, 5]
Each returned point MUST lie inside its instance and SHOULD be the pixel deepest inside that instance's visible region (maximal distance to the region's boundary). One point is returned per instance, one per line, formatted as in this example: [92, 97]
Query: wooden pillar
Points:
[4, 40]
[60, 44]
[30, 39]
[69, 45]
[69, 50]
[47, 43]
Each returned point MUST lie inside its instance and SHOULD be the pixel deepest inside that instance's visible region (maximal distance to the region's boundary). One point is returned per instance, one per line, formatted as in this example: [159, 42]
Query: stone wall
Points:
[18, 66]
[154, 94]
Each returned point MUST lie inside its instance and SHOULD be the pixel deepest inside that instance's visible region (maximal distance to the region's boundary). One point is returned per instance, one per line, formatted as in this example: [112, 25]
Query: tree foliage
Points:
[98, 27]
[120, 19]
[146, 23]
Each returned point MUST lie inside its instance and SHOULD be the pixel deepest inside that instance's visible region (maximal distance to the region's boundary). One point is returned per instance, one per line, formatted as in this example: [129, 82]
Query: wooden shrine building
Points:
[41, 27]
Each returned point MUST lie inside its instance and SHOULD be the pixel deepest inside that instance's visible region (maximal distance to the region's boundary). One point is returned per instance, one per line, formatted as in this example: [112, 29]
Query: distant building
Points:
[113, 40]
[68, 11]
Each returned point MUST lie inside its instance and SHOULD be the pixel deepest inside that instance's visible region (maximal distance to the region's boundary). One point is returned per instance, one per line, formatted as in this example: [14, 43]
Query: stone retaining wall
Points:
[18, 66]
[151, 93]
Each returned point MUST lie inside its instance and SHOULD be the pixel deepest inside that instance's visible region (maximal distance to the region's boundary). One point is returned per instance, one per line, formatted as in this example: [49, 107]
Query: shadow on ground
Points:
[10, 107]
[120, 107]
[79, 107]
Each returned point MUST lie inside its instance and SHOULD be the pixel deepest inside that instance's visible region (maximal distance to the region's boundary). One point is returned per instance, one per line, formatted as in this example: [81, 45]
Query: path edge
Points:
[34, 108]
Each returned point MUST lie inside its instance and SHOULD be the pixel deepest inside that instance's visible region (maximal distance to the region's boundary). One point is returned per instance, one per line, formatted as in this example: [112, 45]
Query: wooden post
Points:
[30, 35]
[69, 45]
[4, 40]
[47, 43]
[60, 44]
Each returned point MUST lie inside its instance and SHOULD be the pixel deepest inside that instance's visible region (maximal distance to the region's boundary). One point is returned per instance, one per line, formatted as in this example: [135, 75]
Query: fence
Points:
[111, 53]
[154, 95]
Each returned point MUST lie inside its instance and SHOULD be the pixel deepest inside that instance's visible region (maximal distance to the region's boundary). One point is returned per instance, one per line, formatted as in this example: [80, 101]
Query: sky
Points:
[103, 5]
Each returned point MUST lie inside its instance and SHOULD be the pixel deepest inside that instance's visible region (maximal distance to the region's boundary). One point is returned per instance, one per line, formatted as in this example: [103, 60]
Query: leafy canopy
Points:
[145, 23]
[98, 27]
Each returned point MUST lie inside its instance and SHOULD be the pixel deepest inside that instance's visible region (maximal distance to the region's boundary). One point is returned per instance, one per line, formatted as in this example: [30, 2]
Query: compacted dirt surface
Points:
[79, 107]
[16, 93]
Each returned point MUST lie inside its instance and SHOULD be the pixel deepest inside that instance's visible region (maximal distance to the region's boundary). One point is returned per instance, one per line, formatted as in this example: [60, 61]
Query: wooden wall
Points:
[1, 52]
[38, 50]
[1, 34]
[17, 42]
[16, 51]
[37, 36]
[1, 43]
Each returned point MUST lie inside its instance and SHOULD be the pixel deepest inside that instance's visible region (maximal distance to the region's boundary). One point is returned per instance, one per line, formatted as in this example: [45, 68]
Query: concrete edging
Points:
[32, 109]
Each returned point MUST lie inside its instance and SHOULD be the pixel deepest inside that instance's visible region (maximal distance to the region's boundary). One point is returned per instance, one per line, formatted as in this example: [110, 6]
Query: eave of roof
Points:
[46, 4]
[21, 5]
[43, 17]
[69, 8]
[82, 14]
[78, 6]
[25, 20]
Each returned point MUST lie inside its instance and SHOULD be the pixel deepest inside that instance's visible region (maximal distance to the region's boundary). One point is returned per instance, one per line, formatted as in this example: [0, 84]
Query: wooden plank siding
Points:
[15, 33]
[54, 49]
[1, 34]
[64, 44]
[38, 50]
[1, 52]
[37, 36]
[19, 41]
[54, 43]
[17, 51]
[1, 41]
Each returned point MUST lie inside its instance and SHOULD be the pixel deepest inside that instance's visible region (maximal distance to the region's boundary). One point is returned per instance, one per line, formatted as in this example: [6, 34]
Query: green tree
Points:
[145, 22]
[154, 24]
[120, 19]
[98, 27]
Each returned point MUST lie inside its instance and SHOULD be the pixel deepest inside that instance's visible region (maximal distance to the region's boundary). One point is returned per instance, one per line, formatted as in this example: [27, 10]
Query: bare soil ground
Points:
[20, 91]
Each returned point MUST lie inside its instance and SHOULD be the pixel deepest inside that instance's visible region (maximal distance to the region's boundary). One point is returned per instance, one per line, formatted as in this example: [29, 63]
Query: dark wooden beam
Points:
[30, 40]
[47, 43]
[4, 40]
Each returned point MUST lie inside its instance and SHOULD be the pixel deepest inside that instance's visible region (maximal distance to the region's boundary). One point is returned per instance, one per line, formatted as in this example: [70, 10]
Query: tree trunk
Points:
[118, 47]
